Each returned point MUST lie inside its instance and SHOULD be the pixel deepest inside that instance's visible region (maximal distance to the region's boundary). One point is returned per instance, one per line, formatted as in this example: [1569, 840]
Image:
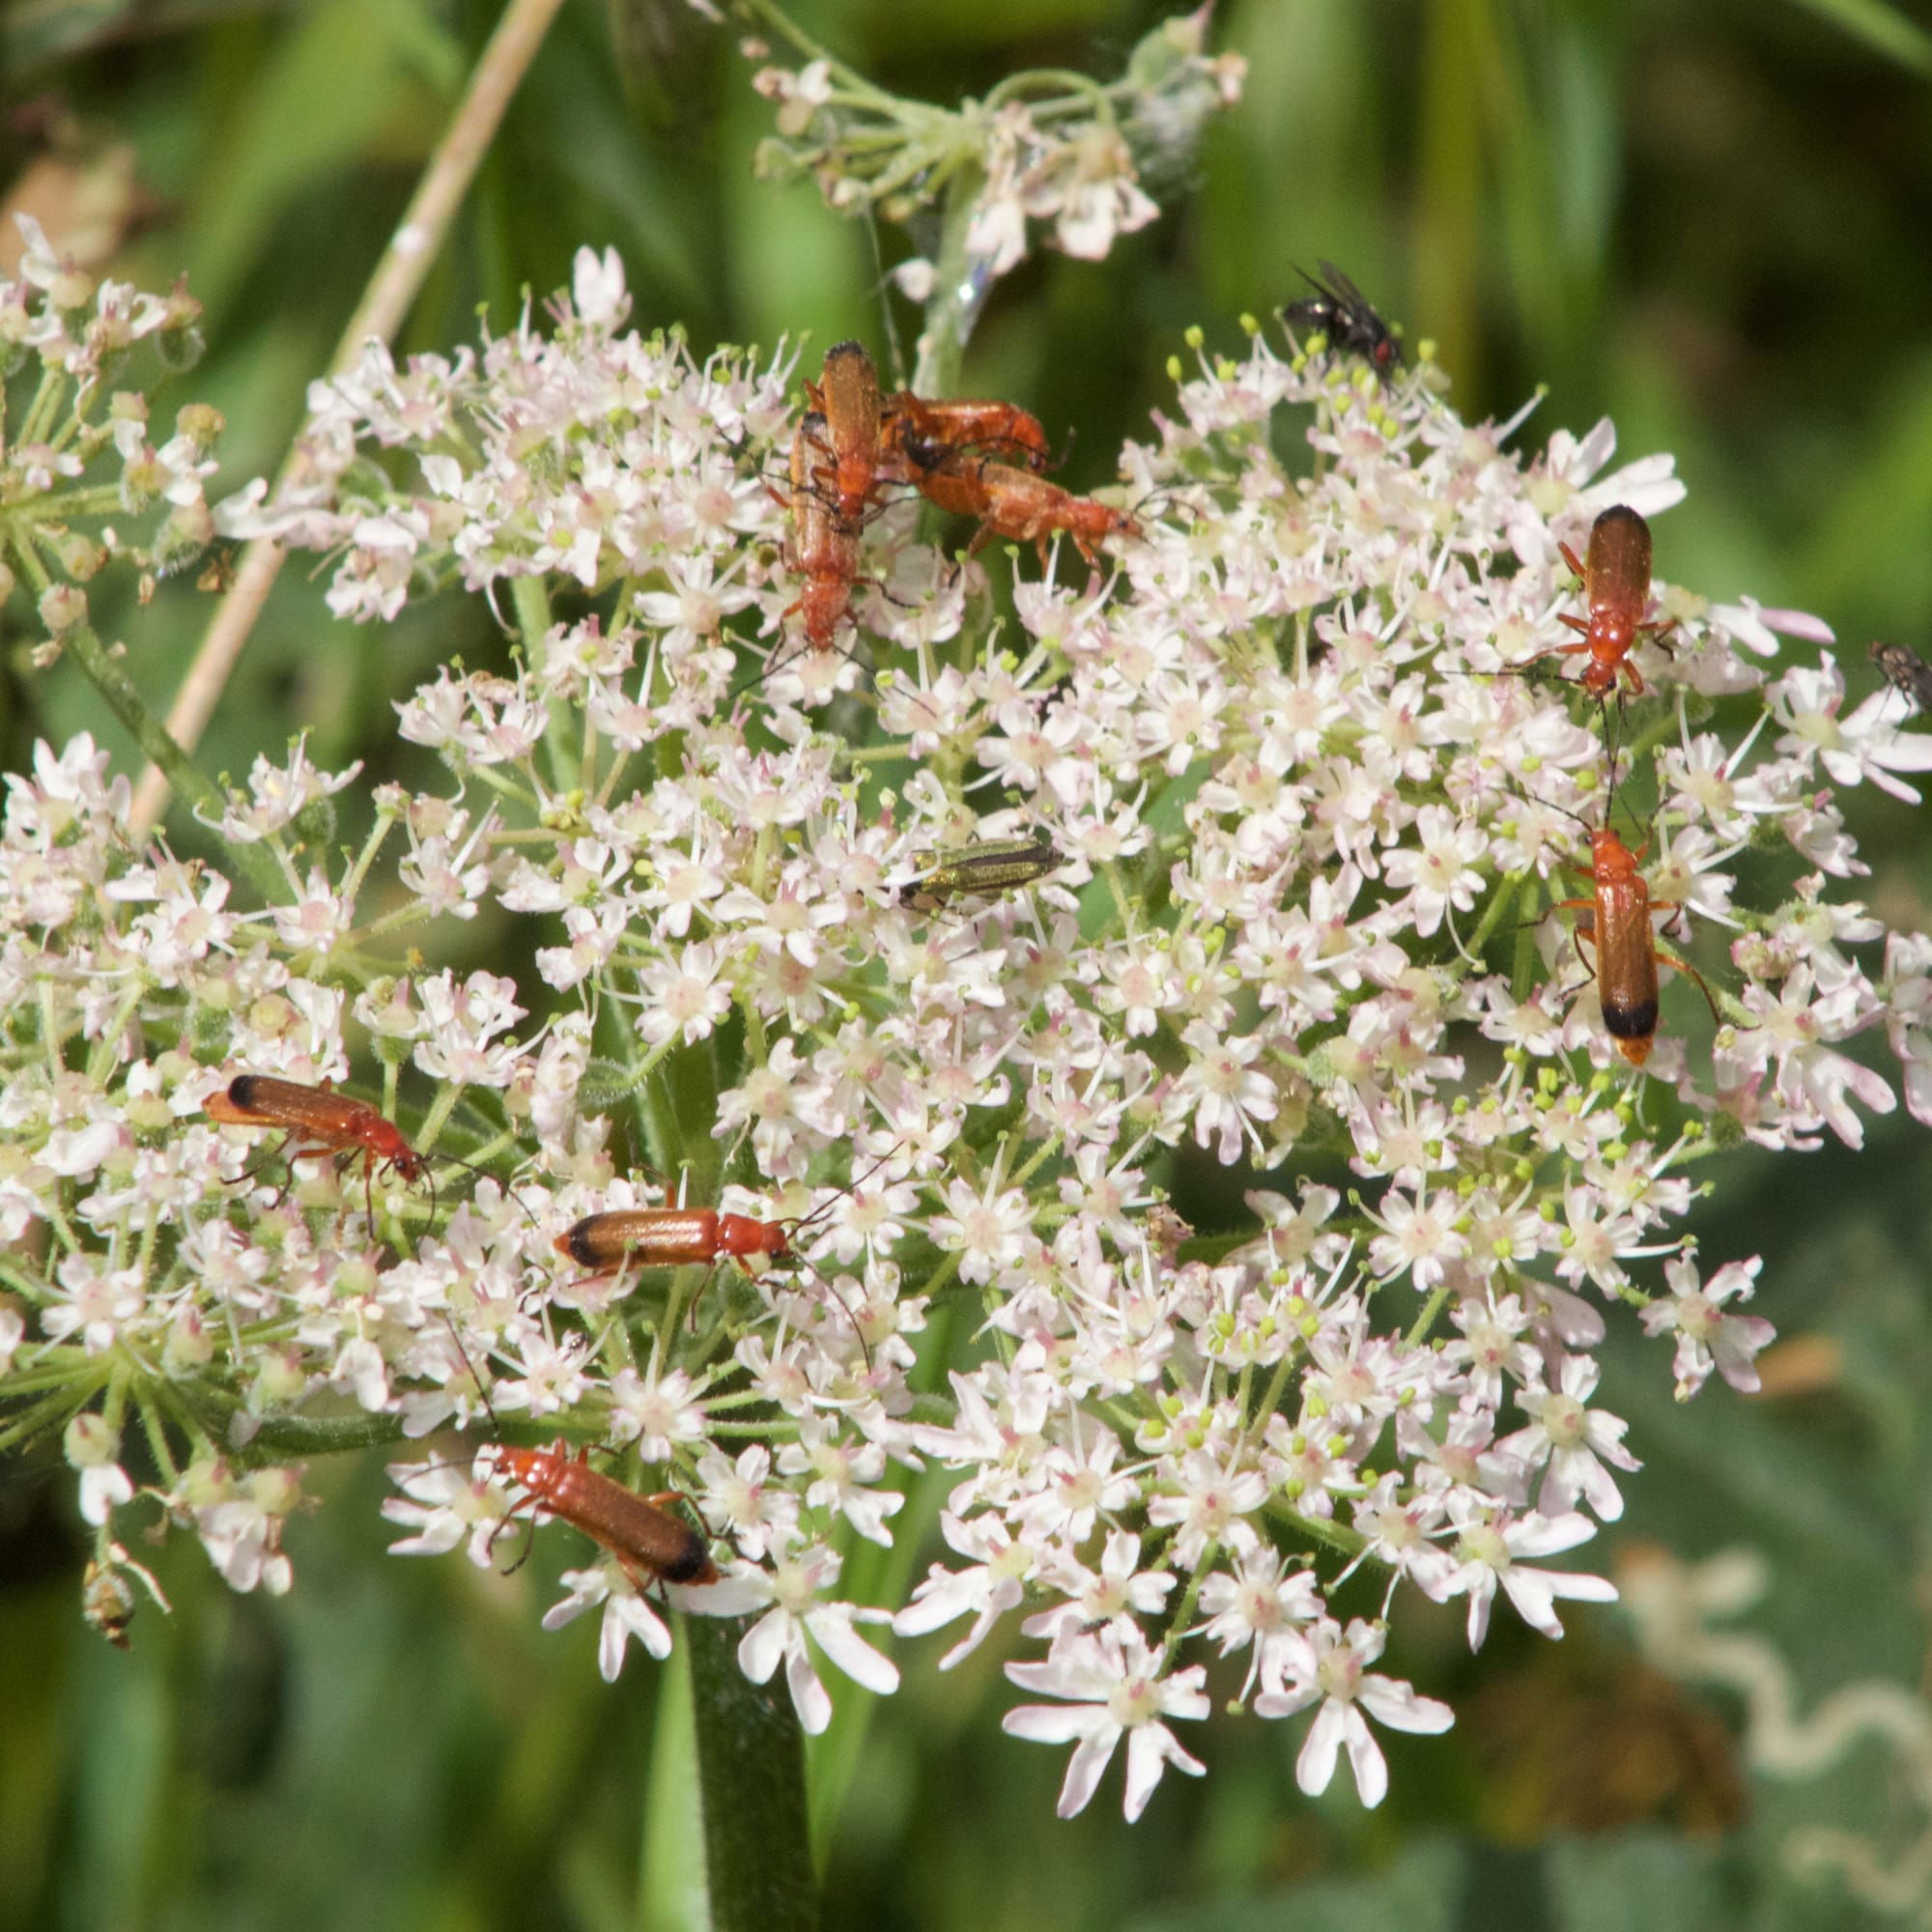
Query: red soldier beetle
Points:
[923, 432]
[1617, 587]
[1028, 508]
[824, 550]
[1015, 503]
[320, 1122]
[673, 1237]
[955, 482]
[823, 547]
[691, 1237]
[651, 1545]
[703, 1236]
[847, 401]
[1615, 920]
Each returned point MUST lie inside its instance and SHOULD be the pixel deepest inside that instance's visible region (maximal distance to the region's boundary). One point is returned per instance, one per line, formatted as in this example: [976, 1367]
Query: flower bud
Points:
[91, 1441]
[63, 608]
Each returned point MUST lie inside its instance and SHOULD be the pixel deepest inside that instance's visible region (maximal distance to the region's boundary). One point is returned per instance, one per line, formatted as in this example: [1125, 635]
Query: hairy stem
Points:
[956, 299]
[751, 1762]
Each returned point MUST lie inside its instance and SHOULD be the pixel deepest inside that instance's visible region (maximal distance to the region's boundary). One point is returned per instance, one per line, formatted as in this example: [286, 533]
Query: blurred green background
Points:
[1710, 222]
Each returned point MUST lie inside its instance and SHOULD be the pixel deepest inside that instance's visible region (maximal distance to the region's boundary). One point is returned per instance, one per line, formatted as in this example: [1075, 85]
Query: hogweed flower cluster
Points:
[1306, 817]
[1046, 154]
[82, 478]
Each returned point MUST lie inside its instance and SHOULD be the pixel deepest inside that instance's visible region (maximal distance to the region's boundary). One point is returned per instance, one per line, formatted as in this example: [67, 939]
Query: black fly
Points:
[1346, 317]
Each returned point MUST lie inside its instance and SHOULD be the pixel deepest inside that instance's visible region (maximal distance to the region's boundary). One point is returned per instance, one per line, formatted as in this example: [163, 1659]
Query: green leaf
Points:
[310, 113]
[1880, 27]
[1645, 1881]
[1420, 1892]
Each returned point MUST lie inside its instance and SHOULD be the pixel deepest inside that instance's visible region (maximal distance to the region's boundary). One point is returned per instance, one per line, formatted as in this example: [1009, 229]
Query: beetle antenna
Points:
[844, 1307]
[799, 1222]
[497, 1427]
[482, 1173]
[1550, 804]
[462, 1354]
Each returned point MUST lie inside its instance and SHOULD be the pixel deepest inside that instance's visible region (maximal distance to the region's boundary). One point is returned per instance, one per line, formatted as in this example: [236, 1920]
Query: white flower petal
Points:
[1315, 1767]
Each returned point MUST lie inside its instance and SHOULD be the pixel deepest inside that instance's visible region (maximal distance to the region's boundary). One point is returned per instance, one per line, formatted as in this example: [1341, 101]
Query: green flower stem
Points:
[588, 741]
[102, 499]
[927, 156]
[850, 79]
[51, 1413]
[1272, 1400]
[1331, 1535]
[103, 671]
[682, 1279]
[1500, 902]
[751, 1764]
[100, 1061]
[506, 786]
[170, 1402]
[529, 599]
[739, 1399]
[1683, 1154]
[153, 1428]
[507, 838]
[1425, 1322]
[941, 1276]
[398, 918]
[54, 1367]
[318, 1436]
[671, 1888]
[949, 319]
[385, 823]
[1083, 93]
[36, 426]
[53, 1047]
[1523, 962]
[1179, 1624]
[939, 1412]
[439, 1110]
[758, 1431]
[483, 1154]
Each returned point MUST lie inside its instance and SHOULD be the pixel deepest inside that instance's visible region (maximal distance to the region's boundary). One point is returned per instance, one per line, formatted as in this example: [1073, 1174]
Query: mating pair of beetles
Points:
[1615, 573]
